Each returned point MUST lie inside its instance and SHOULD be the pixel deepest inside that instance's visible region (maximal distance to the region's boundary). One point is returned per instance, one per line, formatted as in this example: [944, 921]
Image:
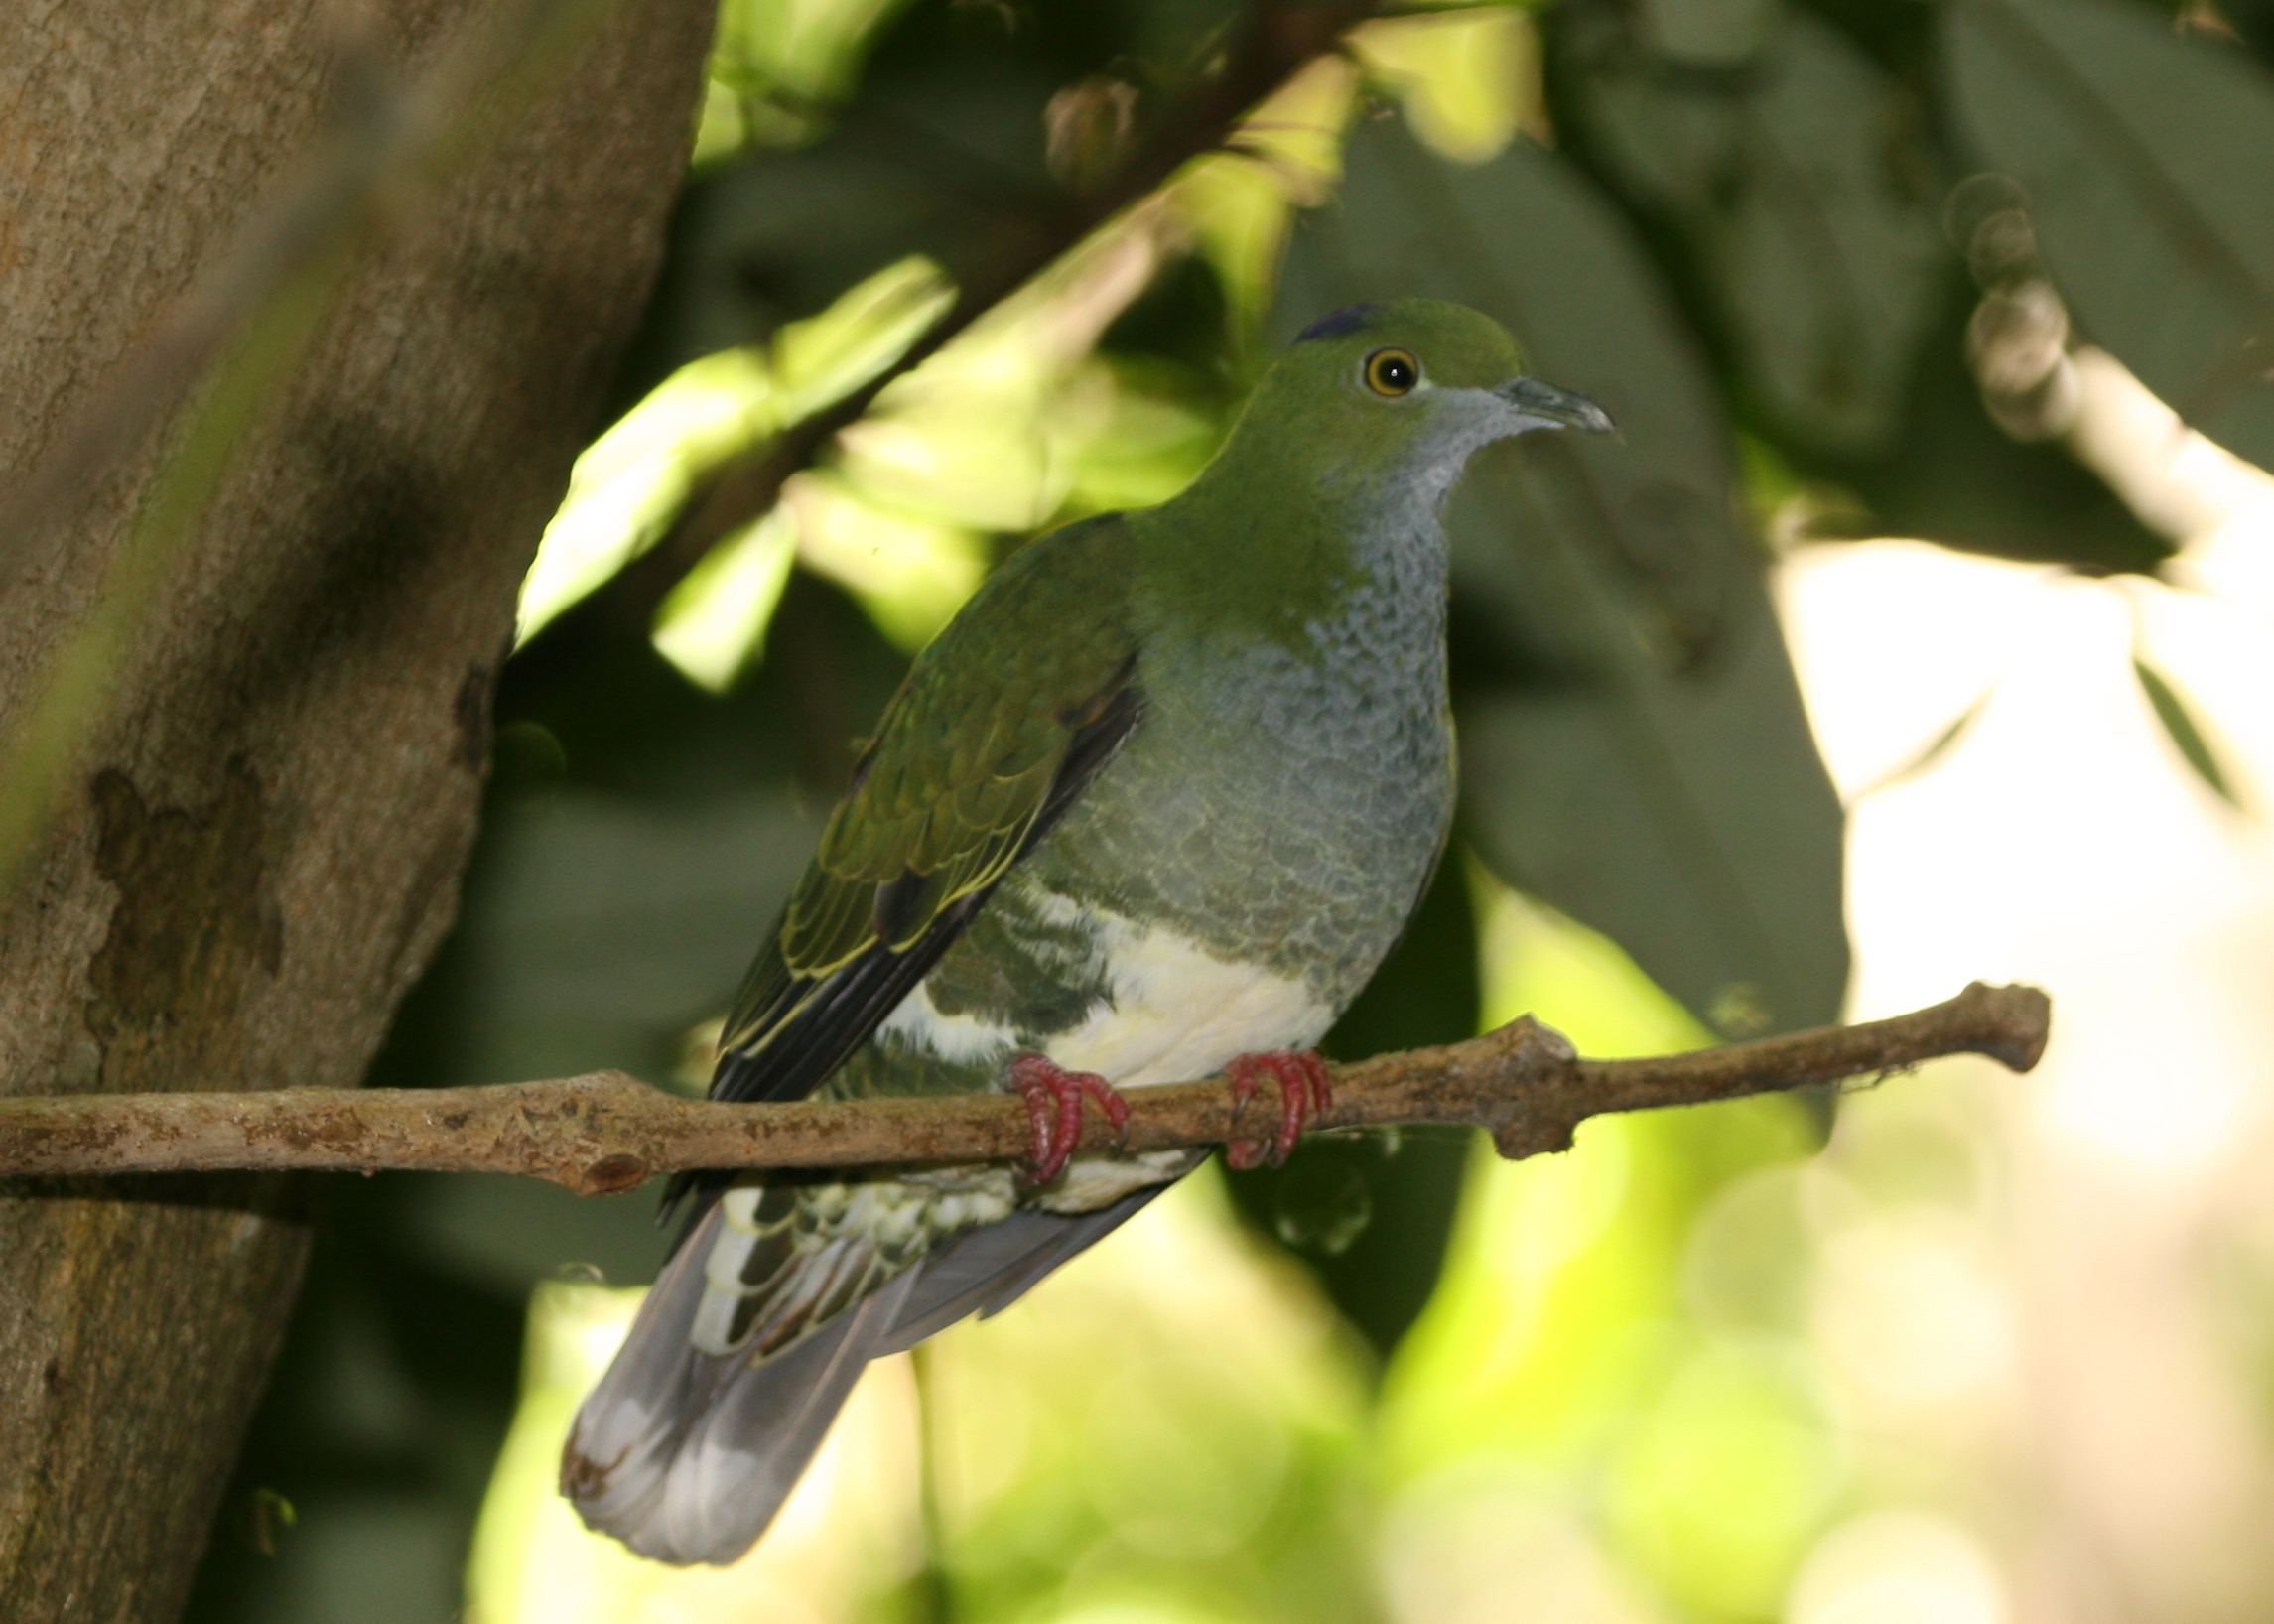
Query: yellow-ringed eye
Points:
[1392, 372]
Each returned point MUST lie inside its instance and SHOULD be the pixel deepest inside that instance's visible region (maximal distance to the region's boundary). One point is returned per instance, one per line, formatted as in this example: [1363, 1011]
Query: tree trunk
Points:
[260, 839]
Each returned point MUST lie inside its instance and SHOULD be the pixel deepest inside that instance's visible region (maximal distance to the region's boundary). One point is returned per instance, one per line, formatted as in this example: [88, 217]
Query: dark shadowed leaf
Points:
[1796, 175]
[2146, 159]
[1930, 754]
[1707, 33]
[1955, 477]
[1848, 360]
[601, 927]
[1633, 745]
[2184, 733]
[2252, 21]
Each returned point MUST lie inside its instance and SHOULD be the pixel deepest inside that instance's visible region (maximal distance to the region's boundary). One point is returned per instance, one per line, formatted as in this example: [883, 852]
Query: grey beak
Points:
[1558, 406]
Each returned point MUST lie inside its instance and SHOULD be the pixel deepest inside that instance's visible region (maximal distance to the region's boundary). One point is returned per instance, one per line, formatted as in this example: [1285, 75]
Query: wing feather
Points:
[999, 728]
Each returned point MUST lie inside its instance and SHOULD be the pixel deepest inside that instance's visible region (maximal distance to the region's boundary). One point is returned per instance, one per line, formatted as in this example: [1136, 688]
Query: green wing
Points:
[1000, 724]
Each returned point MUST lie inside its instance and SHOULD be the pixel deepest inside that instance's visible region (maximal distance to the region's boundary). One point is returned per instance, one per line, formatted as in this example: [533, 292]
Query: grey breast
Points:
[1275, 806]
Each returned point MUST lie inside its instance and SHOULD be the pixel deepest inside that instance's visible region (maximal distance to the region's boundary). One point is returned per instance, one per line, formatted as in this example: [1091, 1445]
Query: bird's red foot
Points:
[1054, 1096]
[1306, 1087]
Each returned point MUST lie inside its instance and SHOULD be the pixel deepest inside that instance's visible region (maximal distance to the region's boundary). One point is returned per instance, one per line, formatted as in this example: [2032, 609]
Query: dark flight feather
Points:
[903, 865]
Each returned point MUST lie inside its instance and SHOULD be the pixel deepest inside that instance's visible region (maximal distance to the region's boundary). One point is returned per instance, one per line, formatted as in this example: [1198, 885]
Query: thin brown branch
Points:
[608, 1131]
[1280, 39]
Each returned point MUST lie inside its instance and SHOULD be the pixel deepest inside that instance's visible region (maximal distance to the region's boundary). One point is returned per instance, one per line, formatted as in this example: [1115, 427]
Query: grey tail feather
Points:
[686, 1456]
[985, 1270]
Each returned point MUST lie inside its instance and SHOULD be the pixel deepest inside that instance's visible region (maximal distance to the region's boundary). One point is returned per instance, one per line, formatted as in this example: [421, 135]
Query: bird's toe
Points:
[1306, 1089]
[1054, 1097]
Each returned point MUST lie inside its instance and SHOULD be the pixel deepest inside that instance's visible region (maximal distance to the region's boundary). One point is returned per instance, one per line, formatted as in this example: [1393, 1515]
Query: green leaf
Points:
[1806, 203]
[712, 625]
[2145, 157]
[632, 482]
[1634, 749]
[1466, 79]
[1955, 477]
[1929, 755]
[2187, 736]
[783, 62]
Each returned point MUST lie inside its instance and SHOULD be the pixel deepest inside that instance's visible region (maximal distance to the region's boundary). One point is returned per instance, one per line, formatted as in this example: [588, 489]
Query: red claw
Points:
[1054, 1097]
[1306, 1088]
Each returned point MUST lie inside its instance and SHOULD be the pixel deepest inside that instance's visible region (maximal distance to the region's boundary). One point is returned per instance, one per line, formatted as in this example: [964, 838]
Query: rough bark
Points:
[259, 840]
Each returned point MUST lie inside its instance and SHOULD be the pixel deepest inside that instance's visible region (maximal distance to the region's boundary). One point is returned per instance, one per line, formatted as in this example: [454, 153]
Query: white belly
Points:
[1177, 1013]
[1174, 1013]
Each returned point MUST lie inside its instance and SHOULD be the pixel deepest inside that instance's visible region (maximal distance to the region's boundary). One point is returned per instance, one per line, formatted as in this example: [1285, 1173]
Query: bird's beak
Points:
[1560, 407]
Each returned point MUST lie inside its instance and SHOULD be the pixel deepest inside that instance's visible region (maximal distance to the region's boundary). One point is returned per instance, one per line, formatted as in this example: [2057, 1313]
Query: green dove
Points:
[1153, 807]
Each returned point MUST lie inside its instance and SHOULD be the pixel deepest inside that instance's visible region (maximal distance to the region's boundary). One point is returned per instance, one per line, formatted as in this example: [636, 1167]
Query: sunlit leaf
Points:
[1296, 131]
[910, 572]
[1799, 186]
[1012, 425]
[827, 356]
[787, 62]
[1237, 209]
[1728, 1473]
[977, 457]
[1237, 204]
[1466, 79]
[2143, 155]
[721, 126]
[2185, 733]
[633, 480]
[1151, 437]
[990, 436]
[987, 435]
[979, 436]
[1633, 745]
[713, 622]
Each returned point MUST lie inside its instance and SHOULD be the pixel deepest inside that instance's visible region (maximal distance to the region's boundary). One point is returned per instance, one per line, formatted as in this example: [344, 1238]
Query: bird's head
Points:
[1405, 391]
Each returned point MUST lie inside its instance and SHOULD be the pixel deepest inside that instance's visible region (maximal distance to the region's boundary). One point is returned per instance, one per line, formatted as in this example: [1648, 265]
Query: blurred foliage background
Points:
[948, 272]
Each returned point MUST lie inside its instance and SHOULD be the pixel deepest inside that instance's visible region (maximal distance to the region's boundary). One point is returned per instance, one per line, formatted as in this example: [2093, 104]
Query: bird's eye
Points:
[1392, 372]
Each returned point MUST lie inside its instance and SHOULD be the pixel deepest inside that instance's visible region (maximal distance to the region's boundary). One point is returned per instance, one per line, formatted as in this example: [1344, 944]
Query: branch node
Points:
[2019, 1021]
[609, 1175]
[1518, 1139]
[1527, 1064]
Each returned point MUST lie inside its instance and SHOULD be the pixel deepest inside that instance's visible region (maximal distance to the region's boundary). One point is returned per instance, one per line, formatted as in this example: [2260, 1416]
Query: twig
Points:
[608, 1131]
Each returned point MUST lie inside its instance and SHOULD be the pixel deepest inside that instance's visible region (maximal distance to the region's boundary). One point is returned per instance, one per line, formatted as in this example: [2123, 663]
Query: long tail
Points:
[686, 1456]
